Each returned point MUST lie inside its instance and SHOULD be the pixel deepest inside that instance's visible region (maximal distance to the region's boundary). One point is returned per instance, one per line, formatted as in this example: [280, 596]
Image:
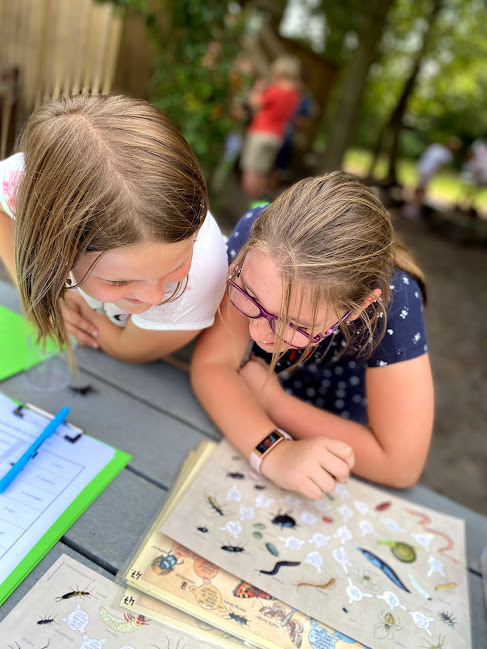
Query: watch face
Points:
[268, 441]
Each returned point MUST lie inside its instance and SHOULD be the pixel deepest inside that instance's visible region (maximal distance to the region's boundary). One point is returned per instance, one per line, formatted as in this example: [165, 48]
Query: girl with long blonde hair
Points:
[104, 226]
[339, 375]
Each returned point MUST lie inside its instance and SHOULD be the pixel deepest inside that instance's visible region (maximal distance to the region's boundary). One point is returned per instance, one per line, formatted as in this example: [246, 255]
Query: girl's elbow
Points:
[405, 475]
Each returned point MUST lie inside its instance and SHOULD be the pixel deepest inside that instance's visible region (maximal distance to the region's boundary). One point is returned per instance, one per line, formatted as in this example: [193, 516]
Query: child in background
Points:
[274, 106]
[429, 164]
[114, 243]
[333, 302]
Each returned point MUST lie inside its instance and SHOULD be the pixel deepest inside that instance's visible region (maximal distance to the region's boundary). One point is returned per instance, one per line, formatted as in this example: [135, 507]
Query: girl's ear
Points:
[373, 297]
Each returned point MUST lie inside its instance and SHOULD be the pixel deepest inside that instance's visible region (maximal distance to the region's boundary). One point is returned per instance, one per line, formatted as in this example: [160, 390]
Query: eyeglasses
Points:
[249, 307]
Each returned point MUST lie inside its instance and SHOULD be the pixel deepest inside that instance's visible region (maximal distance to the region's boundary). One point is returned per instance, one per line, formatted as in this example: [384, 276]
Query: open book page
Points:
[135, 600]
[165, 572]
[74, 606]
[382, 570]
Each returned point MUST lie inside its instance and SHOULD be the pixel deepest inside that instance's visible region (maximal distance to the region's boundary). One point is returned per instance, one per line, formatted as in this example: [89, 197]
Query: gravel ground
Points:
[457, 333]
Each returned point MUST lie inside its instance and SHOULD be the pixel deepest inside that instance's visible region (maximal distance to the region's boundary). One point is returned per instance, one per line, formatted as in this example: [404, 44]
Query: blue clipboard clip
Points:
[54, 421]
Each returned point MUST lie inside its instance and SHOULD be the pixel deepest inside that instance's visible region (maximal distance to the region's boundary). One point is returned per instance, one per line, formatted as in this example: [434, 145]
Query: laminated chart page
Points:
[39, 496]
[382, 570]
[56, 614]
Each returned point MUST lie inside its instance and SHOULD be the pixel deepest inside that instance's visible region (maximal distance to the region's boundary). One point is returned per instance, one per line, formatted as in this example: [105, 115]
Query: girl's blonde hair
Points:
[100, 173]
[333, 243]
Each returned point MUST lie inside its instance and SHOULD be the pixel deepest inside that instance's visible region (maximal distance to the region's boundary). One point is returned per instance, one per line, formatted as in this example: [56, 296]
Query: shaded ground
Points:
[457, 334]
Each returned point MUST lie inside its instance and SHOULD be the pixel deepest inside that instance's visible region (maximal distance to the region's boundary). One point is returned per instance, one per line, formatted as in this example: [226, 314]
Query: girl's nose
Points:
[152, 292]
[260, 329]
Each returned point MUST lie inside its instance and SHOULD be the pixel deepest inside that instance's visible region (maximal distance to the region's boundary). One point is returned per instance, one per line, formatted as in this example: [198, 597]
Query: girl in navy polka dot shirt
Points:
[339, 374]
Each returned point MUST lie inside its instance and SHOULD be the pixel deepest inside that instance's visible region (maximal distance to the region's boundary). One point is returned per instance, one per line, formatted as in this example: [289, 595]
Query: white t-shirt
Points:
[434, 157]
[194, 309]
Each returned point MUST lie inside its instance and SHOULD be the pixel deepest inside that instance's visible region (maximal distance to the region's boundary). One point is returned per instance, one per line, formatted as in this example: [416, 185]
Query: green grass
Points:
[445, 188]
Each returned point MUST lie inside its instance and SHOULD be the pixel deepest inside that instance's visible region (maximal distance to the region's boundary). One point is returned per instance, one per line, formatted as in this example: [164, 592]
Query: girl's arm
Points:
[309, 466]
[131, 343]
[7, 251]
[392, 450]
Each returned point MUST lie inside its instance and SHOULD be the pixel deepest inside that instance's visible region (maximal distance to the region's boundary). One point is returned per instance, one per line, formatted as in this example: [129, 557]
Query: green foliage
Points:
[194, 45]
[449, 97]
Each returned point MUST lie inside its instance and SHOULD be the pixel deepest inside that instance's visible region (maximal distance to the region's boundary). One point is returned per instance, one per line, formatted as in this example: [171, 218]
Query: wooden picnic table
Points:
[150, 412]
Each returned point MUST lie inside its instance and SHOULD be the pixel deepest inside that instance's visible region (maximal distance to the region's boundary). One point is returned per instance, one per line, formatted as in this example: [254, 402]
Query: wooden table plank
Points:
[110, 530]
[165, 387]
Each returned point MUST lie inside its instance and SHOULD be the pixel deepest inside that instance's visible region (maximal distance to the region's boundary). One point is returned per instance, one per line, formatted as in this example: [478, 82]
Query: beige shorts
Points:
[259, 152]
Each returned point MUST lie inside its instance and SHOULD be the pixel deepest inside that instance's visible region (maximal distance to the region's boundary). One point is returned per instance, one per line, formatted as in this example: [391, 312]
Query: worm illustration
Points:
[127, 625]
[426, 520]
[279, 565]
[387, 570]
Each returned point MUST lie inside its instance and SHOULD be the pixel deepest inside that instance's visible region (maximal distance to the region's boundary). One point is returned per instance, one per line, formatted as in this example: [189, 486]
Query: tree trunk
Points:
[394, 124]
[356, 73]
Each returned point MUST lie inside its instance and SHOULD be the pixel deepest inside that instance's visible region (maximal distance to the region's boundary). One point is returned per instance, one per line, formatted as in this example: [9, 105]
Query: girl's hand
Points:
[310, 466]
[74, 309]
[264, 386]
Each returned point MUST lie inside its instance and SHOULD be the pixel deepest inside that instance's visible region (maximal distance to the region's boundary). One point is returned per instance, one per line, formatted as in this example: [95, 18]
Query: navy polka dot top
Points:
[337, 384]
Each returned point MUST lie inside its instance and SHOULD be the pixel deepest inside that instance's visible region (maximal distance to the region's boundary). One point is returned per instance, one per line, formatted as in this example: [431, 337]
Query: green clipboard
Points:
[82, 501]
[15, 354]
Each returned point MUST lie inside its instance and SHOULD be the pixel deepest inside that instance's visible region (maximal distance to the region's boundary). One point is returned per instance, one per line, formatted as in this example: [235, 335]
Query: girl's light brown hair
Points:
[333, 243]
[100, 173]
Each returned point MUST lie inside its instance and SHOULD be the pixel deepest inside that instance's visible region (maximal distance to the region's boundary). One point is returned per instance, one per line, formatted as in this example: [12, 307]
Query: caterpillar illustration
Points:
[127, 625]
[327, 585]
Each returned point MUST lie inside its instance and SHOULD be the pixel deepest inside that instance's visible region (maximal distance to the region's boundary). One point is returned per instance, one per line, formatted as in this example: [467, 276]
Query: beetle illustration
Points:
[165, 563]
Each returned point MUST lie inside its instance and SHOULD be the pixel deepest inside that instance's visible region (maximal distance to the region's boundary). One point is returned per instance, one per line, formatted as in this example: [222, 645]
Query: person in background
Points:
[429, 164]
[273, 107]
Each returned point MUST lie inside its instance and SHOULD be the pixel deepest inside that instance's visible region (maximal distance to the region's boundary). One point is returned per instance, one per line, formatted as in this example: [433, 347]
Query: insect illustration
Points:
[214, 505]
[278, 566]
[202, 529]
[449, 586]
[127, 625]
[327, 519]
[448, 619]
[83, 390]
[270, 547]
[184, 585]
[165, 563]
[235, 475]
[276, 611]
[295, 629]
[381, 507]
[387, 570]
[232, 548]
[73, 593]
[284, 520]
[438, 645]
[48, 621]
[237, 618]
[245, 590]
[386, 626]
[259, 487]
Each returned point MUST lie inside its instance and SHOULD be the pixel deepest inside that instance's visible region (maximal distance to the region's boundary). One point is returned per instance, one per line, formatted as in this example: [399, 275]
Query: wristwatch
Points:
[263, 447]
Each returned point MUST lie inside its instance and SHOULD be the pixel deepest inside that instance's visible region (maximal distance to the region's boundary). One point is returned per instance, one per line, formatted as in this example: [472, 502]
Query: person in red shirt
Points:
[274, 106]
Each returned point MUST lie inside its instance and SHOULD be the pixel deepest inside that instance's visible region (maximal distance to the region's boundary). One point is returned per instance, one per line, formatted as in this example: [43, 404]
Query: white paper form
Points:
[44, 489]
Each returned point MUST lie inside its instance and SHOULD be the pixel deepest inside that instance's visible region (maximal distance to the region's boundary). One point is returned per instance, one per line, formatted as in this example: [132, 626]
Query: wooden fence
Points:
[59, 47]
